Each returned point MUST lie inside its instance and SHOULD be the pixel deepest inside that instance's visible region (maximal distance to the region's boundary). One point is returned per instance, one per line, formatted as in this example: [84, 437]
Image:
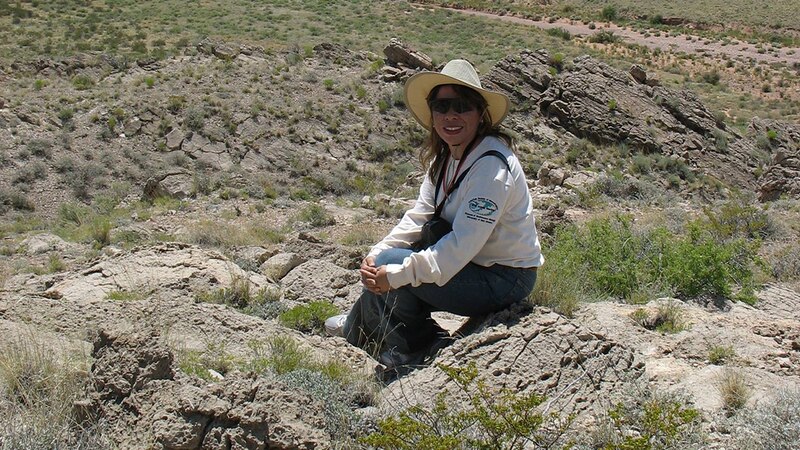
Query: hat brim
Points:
[420, 85]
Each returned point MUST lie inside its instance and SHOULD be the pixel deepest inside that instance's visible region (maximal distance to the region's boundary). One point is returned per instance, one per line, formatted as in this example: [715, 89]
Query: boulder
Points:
[318, 280]
[781, 140]
[551, 175]
[43, 243]
[279, 265]
[174, 185]
[399, 54]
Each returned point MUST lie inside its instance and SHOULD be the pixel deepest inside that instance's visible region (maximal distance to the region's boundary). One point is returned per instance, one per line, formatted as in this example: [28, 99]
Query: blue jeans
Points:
[401, 319]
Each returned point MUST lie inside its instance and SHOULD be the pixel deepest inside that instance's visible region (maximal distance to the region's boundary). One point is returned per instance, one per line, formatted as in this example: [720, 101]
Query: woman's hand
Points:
[374, 278]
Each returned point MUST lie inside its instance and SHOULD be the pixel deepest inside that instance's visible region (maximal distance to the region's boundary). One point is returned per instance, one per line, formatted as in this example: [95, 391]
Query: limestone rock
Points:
[318, 280]
[782, 141]
[174, 139]
[551, 175]
[279, 265]
[174, 185]
[43, 243]
[399, 54]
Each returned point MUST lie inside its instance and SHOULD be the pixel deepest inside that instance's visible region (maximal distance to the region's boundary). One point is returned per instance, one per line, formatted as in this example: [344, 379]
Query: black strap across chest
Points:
[460, 178]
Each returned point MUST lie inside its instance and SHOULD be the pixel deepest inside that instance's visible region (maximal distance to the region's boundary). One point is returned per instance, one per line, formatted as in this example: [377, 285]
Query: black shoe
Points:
[396, 364]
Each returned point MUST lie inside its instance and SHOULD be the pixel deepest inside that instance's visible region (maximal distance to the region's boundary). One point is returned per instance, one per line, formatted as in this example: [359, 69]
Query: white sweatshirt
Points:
[491, 215]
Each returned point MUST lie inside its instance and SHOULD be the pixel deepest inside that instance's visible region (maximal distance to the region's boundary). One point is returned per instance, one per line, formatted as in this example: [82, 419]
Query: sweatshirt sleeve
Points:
[407, 231]
[482, 198]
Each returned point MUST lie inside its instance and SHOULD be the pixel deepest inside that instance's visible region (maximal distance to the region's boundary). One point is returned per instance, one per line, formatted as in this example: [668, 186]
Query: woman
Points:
[485, 263]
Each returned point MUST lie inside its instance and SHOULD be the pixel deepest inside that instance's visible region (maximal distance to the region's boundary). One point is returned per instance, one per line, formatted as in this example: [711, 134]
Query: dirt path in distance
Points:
[675, 44]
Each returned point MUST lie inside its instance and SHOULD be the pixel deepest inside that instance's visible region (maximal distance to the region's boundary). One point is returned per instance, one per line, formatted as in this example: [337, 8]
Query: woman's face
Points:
[457, 129]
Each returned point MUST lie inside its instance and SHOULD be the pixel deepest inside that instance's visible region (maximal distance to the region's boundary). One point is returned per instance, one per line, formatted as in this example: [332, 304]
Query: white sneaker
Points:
[334, 326]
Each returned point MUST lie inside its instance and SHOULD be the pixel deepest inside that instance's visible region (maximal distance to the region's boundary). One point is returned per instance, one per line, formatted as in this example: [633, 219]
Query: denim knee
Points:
[392, 256]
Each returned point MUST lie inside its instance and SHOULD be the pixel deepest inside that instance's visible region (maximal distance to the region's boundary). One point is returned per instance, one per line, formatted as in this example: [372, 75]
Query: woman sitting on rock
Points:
[487, 251]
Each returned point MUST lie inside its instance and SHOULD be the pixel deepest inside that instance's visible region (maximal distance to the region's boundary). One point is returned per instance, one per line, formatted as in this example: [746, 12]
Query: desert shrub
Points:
[41, 148]
[30, 173]
[14, 199]
[649, 420]
[559, 33]
[740, 217]
[316, 215]
[82, 82]
[604, 37]
[195, 118]
[38, 387]
[240, 294]
[340, 420]
[733, 390]
[308, 318]
[712, 77]
[698, 264]
[491, 418]
[773, 425]
[609, 12]
[785, 265]
[667, 318]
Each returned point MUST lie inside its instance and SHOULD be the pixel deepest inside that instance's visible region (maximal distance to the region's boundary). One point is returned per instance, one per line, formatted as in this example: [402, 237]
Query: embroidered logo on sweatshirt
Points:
[482, 209]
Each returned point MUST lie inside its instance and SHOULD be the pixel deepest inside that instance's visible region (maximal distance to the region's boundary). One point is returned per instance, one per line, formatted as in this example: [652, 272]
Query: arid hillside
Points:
[175, 226]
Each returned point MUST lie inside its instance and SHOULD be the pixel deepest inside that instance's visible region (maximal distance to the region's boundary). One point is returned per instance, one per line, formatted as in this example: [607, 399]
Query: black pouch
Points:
[432, 231]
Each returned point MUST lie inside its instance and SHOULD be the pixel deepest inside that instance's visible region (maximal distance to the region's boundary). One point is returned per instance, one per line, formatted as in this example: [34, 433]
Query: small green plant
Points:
[308, 318]
[123, 295]
[214, 356]
[492, 419]
[772, 135]
[82, 82]
[316, 215]
[328, 83]
[39, 84]
[239, 295]
[667, 318]
[720, 354]
[649, 421]
[612, 105]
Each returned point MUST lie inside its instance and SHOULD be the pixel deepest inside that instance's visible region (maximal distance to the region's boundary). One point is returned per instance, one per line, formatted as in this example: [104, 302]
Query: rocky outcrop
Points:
[135, 388]
[541, 352]
[782, 141]
[594, 101]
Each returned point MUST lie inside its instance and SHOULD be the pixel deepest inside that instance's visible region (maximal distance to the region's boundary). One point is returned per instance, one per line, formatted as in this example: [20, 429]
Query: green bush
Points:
[308, 318]
[649, 421]
[316, 215]
[607, 257]
[491, 419]
[604, 37]
[609, 13]
[82, 82]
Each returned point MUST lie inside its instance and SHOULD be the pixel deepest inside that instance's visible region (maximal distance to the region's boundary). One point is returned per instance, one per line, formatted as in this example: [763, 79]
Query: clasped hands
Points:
[374, 278]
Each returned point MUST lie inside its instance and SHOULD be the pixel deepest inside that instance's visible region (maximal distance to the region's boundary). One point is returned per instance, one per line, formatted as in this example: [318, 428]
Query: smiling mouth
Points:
[453, 129]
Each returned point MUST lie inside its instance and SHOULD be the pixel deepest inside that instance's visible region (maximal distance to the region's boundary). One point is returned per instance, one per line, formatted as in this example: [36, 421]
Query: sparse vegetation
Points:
[720, 354]
[491, 418]
[733, 389]
[37, 389]
[308, 318]
[649, 420]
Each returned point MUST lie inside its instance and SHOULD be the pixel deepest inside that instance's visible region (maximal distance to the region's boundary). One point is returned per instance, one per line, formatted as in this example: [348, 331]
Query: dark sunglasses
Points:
[459, 105]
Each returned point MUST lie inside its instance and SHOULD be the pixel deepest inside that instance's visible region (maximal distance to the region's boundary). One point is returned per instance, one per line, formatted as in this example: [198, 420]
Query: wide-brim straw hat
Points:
[457, 71]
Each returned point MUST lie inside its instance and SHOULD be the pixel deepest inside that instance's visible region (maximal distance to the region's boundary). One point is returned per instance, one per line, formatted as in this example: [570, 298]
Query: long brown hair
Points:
[434, 151]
